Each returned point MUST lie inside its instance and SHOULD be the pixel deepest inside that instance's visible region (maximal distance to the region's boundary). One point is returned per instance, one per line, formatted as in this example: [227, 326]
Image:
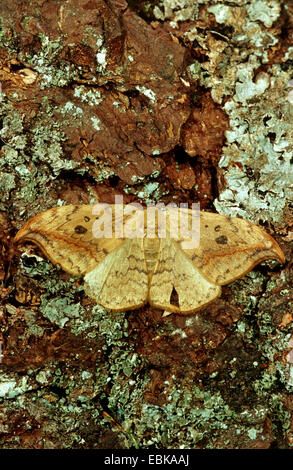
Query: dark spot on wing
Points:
[86, 218]
[80, 229]
[222, 240]
[217, 228]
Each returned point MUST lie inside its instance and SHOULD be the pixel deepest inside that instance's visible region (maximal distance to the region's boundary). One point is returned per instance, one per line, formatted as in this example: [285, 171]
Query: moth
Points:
[123, 273]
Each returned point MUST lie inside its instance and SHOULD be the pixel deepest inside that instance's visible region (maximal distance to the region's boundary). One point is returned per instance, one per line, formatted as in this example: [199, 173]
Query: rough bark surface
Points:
[163, 101]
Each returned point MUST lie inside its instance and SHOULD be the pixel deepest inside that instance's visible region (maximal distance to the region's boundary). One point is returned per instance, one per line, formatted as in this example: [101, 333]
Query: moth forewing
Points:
[230, 247]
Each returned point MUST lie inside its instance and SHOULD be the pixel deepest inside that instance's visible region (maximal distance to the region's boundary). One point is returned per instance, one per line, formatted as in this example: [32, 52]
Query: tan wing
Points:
[65, 236]
[175, 272]
[120, 282]
[230, 247]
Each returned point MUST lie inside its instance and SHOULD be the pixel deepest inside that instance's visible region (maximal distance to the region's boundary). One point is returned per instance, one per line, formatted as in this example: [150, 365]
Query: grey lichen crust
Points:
[257, 160]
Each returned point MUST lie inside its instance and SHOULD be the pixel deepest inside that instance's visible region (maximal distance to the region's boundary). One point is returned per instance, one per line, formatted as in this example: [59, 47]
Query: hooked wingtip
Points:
[279, 255]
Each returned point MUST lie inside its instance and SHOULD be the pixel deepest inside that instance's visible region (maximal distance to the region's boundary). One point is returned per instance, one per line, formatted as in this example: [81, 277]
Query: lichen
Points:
[91, 96]
[10, 387]
[25, 151]
[176, 10]
[265, 11]
[259, 138]
[96, 123]
[256, 161]
[7, 183]
[59, 311]
[53, 71]
[101, 56]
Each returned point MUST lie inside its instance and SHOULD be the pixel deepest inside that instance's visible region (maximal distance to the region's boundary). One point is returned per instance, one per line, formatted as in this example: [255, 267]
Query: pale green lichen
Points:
[7, 183]
[72, 109]
[60, 310]
[176, 10]
[257, 159]
[148, 189]
[26, 151]
[64, 395]
[53, 71]
[246, 88]
[91, 96]
[149, 193]
[11, 386]
[32, 329]
[196, 72]
[266, 11]
[58, 302]
[101, 56]
[96, 123]
[7, 35]
[252, 126]
[221, 12]
[186, 418]
[226, 59]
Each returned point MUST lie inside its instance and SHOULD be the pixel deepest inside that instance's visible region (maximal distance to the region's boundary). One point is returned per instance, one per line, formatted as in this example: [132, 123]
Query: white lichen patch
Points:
[251, 41]
[43, 376]
[257, 159]
[10, 387]
[150, 192]
[221, 12]
[101, 56]
[148, 189]
[266, 11]
[96, 123]
[176, 10]
[44, 63]
[180, 333]
[246, 88]
[91, 96]
[147, 92]
[71, 108]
